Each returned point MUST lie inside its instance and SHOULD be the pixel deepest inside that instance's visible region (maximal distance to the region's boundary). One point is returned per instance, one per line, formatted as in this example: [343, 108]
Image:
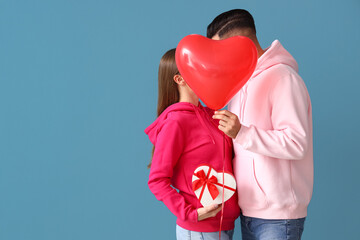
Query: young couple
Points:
[268, 124]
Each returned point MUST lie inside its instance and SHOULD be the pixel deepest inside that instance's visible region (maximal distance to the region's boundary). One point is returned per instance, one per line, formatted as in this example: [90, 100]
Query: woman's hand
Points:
[208, 211]
[229, 122]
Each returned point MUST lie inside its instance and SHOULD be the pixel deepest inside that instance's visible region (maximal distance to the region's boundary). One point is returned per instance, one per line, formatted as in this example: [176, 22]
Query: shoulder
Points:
[287, 75]
[287, 83]
[282, 70]
[282, 76]
[180, 116]
[177, 121]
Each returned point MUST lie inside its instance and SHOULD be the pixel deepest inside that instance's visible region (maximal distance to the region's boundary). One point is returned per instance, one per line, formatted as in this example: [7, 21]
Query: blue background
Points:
[78, 85]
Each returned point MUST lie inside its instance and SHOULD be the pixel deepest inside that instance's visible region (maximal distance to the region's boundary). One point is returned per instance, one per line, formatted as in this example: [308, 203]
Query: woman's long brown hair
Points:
[168, 92]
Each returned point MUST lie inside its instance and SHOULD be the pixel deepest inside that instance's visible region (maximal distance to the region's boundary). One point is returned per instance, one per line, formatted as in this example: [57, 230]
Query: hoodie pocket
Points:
[251, 193]
[256, 180]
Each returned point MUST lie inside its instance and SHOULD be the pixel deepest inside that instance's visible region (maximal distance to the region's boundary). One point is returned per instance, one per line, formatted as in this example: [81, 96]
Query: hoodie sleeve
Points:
[291, 120]
[169, 146]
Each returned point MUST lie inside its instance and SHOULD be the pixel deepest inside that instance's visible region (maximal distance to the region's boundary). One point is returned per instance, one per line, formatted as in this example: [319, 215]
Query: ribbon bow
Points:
[210, 182]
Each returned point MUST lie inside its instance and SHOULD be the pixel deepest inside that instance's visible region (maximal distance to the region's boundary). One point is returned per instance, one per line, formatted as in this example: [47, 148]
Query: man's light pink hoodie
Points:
[273, 161]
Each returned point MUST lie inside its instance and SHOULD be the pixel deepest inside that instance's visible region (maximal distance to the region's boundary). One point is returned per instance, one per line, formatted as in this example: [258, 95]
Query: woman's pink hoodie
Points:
[273, 161]
[185, 136]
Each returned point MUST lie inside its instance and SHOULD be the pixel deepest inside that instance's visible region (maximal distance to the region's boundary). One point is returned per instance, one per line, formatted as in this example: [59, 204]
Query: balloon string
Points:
[223, 188]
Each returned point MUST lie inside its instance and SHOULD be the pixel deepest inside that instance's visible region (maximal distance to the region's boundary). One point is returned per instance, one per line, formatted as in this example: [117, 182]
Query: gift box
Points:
[209, 185]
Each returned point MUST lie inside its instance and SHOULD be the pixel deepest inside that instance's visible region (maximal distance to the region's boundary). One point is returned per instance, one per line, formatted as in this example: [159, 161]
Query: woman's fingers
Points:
[216, 211]
[208, 211]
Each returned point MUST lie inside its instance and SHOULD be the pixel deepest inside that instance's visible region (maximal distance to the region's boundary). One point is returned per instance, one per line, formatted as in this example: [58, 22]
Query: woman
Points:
[185, 136]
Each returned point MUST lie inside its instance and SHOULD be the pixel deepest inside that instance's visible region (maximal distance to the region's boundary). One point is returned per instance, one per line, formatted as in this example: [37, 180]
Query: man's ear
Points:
[179, 80]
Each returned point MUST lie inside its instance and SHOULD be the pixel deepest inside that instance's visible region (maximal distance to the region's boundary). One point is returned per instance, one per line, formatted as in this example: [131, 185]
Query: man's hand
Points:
[229, 122]
[209, 211]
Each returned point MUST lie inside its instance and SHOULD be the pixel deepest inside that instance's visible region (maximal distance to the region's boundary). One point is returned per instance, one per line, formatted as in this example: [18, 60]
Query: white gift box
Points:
[209, 186]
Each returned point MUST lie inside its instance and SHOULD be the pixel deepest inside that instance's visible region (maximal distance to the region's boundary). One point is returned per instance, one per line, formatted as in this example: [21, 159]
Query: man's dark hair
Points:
[228, 21]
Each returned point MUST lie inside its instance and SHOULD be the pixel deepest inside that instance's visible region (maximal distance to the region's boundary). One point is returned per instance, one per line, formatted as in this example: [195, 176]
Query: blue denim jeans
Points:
[264, 229]
[183, 234]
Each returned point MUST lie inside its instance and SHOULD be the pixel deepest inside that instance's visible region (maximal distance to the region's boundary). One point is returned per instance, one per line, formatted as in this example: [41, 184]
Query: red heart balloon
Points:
[216, 69]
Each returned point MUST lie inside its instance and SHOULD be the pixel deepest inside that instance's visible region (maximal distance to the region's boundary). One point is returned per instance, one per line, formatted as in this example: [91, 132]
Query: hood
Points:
[153, 130]
[274, 55]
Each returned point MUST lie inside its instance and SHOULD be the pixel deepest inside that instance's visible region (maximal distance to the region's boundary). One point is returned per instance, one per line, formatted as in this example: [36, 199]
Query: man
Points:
[270, 121]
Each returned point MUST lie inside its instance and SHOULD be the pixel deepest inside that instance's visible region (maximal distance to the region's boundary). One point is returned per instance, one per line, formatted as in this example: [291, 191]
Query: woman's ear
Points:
[179, 80]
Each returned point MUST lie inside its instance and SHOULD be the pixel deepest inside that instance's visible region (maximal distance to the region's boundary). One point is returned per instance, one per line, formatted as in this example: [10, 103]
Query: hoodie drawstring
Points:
[196, 109]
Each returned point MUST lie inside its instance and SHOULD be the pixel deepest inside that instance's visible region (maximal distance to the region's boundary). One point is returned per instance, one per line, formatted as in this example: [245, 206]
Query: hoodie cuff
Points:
[243, 137]
[193, 217]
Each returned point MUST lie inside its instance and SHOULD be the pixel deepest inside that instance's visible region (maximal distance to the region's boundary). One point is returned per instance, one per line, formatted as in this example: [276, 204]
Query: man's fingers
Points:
[221, 128]
[224, 112]
[222, 123]
[220, 116]
[224, 115]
